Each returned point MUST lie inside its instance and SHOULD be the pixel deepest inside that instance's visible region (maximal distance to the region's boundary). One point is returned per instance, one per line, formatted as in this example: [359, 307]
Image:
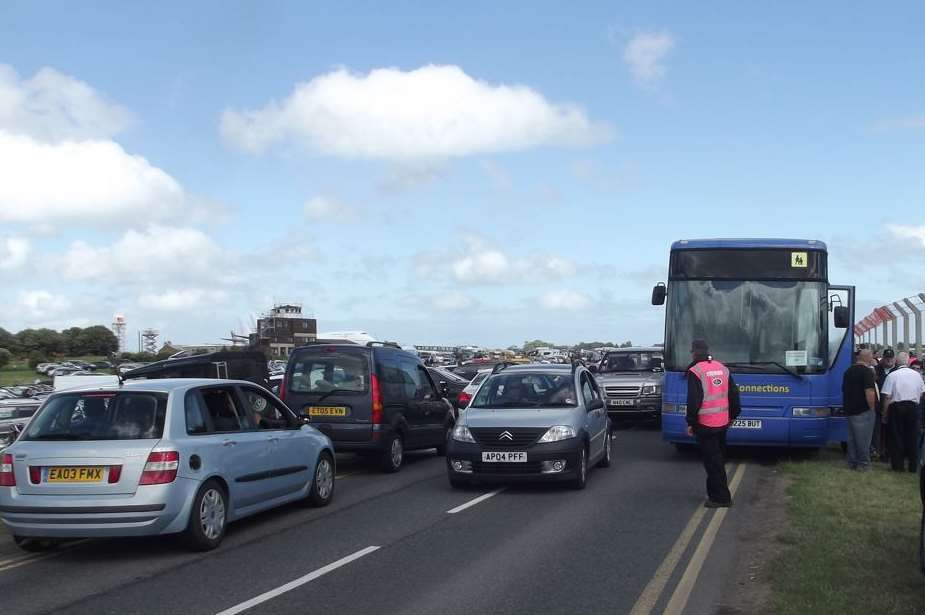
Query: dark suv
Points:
[374, 400]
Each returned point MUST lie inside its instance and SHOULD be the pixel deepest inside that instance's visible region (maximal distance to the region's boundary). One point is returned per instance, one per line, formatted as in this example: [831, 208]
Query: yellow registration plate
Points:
[75, 474]
[327, 411]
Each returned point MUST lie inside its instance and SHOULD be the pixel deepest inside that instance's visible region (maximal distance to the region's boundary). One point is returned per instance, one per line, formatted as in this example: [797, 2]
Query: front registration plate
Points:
[327, 411]
[622, 402]
[74, 474]
[495, 457]
[746, 424]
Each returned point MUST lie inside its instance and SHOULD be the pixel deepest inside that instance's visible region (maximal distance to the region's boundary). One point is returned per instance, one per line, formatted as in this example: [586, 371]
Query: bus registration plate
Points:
[746, 424]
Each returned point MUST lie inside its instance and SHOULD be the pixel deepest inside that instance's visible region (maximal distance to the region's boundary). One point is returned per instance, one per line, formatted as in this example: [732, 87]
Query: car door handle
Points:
[229, 443]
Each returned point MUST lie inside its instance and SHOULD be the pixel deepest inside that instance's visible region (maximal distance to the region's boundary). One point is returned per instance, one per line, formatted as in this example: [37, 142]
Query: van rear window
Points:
[323, 371]
[100, 416]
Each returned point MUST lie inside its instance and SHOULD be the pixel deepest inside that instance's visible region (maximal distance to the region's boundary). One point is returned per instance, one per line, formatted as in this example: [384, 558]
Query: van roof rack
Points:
[500, 367]
[384, 344]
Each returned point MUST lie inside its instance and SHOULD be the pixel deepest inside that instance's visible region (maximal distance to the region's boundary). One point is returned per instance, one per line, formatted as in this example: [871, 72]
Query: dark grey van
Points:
[376, 400]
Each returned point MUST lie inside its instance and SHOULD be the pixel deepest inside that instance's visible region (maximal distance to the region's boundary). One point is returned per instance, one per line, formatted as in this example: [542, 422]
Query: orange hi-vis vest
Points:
[714, 378]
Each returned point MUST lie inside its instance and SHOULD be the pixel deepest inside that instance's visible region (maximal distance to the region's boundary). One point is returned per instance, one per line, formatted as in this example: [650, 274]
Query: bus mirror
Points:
[841, 317]
[659, 293]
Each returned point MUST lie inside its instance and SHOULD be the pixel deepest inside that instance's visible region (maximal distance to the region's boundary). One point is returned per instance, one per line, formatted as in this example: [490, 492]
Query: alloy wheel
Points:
[324, 478]
[212, 514]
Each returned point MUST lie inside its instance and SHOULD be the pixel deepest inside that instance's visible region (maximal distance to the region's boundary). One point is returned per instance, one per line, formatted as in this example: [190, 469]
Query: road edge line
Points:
[682, 592]
[474, 501]
[291, 585]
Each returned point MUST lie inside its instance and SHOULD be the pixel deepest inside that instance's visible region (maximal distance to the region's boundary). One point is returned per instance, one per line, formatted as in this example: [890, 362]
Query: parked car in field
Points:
[531, 422]
[466, 395]
[182, 456]
[631, 379]
[14, 415]
[376, 400]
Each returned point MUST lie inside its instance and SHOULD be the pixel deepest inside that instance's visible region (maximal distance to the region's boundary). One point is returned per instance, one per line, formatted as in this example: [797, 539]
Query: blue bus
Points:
[767, 311]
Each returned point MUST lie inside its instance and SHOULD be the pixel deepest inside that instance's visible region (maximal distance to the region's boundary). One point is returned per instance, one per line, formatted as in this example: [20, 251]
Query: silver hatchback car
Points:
[159, 457]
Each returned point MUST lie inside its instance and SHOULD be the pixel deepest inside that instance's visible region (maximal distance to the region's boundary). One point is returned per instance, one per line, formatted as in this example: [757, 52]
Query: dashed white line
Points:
[16, 562]
[291, 585]
[475, 501]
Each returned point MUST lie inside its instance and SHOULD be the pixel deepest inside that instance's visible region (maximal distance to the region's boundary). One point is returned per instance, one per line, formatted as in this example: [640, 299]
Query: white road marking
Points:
[291, 585]
[683, 591]
[16, 562]
[475, 501]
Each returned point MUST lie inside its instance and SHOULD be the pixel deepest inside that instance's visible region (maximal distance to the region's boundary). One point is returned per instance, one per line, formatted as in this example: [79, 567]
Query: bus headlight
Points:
[812, 412]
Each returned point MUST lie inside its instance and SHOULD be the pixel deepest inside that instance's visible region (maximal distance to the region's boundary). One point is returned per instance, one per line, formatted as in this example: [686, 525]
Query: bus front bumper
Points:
[757, 431]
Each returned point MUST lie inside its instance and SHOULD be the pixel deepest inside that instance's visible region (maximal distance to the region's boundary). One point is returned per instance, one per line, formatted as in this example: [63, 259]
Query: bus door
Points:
[841, 356]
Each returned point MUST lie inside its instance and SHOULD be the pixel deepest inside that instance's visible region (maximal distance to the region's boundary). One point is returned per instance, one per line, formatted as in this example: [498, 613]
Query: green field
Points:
[852, 542]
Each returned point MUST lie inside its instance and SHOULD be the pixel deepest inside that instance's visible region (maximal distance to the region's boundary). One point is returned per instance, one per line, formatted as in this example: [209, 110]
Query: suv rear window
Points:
[100, 416]
[322, 371]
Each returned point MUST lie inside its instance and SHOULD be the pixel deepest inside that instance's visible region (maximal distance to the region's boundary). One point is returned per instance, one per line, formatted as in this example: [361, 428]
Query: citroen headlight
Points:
[813, 412]
[557, 433]
[461, 433]
[651, 389]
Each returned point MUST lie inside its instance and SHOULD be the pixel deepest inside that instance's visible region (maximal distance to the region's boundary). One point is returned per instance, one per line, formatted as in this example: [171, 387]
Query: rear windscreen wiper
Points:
[331, 392]
[775, 363]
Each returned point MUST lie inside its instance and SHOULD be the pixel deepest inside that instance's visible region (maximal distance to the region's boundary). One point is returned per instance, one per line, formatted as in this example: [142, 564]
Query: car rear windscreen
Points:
[323, 370]
[100, 416]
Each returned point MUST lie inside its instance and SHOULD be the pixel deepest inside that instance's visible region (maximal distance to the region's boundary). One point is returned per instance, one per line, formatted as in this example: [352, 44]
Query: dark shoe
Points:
[712, 504]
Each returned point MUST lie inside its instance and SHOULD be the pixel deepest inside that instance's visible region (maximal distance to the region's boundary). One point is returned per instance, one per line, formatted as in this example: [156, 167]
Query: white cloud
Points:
[483, 264]
[565, 300]
[81, 182]
[158, 252]
[430, 112]
[325, 209]
[52, 106]
[645, 56]
[912, 233]
[34, 306]
[14, 252]
[179, 300]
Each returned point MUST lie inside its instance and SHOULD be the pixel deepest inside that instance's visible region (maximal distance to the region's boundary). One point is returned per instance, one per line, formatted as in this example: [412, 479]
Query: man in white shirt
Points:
[902, 392]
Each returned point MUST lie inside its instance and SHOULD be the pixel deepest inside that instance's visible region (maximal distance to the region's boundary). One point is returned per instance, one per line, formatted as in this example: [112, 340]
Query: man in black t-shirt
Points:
[860, 399]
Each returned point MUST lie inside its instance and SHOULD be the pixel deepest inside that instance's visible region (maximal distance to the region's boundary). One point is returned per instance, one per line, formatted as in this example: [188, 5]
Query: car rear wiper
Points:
[331, 392]
[775, 363]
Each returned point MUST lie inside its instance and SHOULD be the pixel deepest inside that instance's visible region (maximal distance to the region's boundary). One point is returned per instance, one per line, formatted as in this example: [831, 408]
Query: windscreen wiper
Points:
[331, 392]
[784, 368]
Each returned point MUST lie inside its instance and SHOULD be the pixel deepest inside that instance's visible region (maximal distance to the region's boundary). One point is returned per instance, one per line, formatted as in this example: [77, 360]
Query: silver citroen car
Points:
[531, 422]
[182, 456]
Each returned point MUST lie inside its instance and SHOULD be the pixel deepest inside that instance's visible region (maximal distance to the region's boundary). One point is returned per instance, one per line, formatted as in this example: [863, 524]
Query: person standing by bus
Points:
[712, 405]
[886, 364]
[860, 398]
[902, 393]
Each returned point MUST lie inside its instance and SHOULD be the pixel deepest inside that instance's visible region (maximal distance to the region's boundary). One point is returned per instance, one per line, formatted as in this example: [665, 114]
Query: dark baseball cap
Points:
[888, 353]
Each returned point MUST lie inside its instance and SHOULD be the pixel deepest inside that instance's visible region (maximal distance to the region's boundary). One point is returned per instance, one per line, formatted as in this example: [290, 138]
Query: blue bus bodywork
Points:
[754, 301]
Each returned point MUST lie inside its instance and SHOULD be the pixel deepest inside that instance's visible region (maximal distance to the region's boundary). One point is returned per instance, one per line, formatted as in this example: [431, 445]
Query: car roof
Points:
[538, 368]
[158, 385]
[636, 349]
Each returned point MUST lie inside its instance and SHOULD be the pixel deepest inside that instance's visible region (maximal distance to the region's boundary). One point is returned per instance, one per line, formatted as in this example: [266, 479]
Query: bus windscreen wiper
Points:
[756, 363]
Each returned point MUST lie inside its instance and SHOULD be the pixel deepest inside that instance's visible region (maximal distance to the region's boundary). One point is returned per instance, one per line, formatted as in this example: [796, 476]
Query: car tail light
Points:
[161, 468]
[377, 400]
[463, 400]
[7, 478]
[115, 473]
[35, 474]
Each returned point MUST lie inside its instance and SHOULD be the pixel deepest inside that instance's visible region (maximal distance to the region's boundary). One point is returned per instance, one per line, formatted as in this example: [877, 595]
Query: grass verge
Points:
[852, 541]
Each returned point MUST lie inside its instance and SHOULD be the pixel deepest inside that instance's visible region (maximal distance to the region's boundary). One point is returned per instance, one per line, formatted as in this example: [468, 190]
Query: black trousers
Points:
[712, 442]
[903, 425]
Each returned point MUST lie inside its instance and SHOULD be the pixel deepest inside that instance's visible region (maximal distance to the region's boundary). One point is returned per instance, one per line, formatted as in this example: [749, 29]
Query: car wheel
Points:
[321, 491]
[581, 476]
[394, 454]
[441, 448]
[208, 517]
[35, 545]
[605, 460]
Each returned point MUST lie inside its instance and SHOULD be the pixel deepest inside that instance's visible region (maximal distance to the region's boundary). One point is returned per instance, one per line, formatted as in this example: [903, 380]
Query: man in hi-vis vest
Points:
[712, 405]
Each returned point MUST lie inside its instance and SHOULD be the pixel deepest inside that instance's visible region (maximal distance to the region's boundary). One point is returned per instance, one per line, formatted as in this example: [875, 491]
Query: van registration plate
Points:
[746, 424]
[622, 402]
[327, 411]
[506, 457]
[74, 474]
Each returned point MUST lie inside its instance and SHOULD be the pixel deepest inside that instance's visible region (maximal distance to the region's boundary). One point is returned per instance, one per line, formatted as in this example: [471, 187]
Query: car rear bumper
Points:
[530, 471]
[151, 510]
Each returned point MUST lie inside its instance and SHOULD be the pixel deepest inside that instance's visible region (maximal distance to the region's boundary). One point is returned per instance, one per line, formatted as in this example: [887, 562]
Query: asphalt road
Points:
[388, 544]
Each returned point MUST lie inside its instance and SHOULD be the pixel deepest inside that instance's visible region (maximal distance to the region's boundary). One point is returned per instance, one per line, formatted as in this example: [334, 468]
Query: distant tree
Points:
[98, 340]
[46, 341]
[71, 340]
[36, 357]
[533, 345]
[5, 357]
[626, 344]
[9, 341]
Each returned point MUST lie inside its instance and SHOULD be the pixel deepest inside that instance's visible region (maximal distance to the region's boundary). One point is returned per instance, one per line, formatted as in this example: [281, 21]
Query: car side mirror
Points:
[597, 404]
[842, 317]
[592, 369]
[659, 293]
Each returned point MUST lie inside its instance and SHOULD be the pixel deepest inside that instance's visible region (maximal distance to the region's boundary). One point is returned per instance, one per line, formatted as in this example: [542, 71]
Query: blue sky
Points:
[443, 172]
